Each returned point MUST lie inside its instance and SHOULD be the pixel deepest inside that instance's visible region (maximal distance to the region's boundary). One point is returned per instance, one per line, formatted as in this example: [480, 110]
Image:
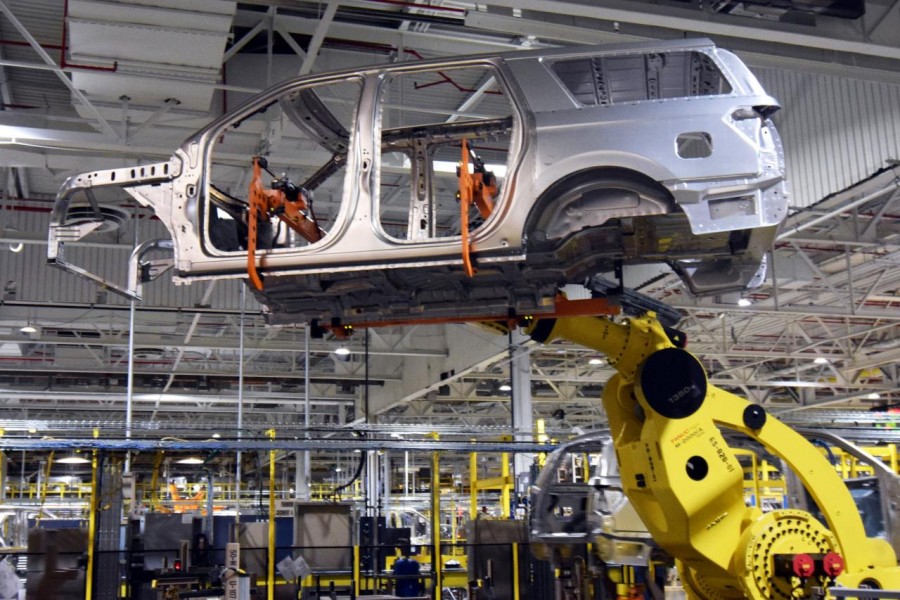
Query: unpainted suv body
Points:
[600, 156]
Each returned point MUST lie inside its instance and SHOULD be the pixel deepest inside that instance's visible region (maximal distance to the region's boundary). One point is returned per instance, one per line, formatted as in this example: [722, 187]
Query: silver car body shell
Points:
[739, 187]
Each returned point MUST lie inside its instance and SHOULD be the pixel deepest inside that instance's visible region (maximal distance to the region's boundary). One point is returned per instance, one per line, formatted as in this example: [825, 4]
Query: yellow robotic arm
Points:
[687, 485]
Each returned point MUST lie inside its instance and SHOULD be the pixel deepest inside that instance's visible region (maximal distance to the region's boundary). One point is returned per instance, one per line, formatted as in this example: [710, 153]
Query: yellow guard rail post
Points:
[92, 526]
[504, 483]
[270, 575]
[473, 488]
[42, 491]
[436, 521]
[154, 481]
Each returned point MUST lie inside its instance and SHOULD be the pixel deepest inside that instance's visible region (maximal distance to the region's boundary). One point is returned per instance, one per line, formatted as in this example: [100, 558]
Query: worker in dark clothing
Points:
[408, 584]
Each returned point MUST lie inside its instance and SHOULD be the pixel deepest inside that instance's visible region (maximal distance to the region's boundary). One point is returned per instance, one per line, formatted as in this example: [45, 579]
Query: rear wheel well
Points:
[591, 197]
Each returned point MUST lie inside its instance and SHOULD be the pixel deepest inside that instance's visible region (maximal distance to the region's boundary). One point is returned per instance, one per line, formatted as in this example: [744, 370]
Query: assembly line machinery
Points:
[595, 177]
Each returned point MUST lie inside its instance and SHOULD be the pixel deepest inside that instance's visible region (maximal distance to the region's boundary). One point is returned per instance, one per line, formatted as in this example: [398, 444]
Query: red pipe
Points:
[22, 106]
[444, 77]
[27, 45]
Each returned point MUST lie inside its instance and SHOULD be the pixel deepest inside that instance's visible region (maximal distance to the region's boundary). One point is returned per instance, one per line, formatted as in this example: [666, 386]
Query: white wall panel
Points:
[836, 130]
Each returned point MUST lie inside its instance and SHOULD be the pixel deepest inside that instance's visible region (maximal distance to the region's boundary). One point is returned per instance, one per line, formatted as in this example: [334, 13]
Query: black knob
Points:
[673, 382]
[754, 416]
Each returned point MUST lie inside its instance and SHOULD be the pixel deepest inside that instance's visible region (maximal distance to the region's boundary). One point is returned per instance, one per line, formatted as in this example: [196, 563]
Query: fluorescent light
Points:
[874, 396]
[342, 351]
[744, 302]
[596, 361]
[28, 329]
[446, 166]
[821, 360]
[190, 460]
[73, 459]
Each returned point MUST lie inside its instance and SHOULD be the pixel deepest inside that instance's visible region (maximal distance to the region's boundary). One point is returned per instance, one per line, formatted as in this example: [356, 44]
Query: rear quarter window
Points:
[605, 80]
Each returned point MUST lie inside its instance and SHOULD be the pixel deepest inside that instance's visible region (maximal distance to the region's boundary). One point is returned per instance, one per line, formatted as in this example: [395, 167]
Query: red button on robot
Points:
[804, 566]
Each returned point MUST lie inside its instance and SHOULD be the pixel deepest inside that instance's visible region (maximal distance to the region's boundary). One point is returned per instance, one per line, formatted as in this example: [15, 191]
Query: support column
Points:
[386, 484]
[436, 565]
[523, 416]
[270, 563]
[4, 465]
[301, 475]
[372, 482]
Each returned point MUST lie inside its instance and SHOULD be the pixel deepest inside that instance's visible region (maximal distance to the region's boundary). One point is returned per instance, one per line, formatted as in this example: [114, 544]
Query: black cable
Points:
[356, 475]
[259, 486]
[831, 456]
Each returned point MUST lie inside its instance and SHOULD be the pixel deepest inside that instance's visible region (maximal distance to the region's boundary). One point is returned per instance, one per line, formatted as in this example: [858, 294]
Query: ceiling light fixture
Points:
[505, 387]
[596, 361]
[744, 302]
[28, 329]
[874, 396]
[15, 246]
[190, 460]
[72, 459]
[821, 360]
[342, 351]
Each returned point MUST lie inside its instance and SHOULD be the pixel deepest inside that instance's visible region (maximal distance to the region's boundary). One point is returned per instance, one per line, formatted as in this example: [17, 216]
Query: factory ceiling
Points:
[91, 84]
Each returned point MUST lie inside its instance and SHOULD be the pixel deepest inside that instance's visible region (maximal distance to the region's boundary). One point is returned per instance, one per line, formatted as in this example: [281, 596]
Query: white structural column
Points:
[301, 475]
[373, 482]
[523, 418]
[303, 464]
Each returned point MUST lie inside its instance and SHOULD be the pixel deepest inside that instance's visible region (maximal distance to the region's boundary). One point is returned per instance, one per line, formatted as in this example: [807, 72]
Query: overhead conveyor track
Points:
[262, 444]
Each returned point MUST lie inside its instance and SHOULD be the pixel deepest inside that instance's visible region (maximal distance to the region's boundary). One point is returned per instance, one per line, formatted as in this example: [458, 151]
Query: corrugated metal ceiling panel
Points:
[836, 130]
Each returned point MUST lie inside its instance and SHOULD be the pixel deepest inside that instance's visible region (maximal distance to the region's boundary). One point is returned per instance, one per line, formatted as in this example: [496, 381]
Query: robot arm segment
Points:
[687, 485]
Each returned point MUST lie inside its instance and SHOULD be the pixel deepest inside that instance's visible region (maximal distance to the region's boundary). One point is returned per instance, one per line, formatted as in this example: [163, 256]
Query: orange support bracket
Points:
[265, 202]
[478, 187]
[563, 308]
[258, 207]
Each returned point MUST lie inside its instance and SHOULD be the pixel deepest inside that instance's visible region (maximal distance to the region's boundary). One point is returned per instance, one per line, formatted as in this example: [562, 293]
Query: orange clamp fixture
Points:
[478, 187]
[266, 202]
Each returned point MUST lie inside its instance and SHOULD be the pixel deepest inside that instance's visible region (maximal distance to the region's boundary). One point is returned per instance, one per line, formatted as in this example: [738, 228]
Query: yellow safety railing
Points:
[504, 483]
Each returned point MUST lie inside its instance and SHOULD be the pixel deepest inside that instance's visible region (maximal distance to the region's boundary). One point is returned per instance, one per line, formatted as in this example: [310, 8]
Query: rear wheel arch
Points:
[591, 197]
